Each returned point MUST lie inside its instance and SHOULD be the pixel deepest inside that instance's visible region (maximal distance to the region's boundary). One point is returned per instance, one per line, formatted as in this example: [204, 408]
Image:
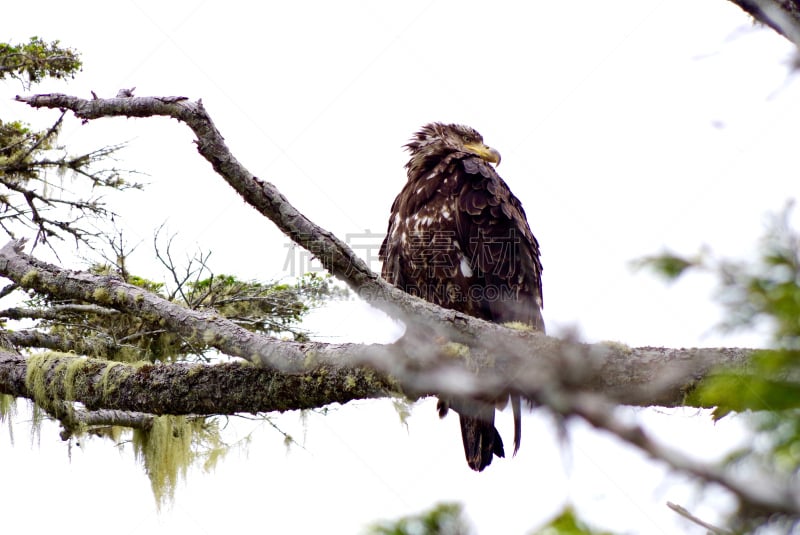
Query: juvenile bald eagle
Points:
[459, 238]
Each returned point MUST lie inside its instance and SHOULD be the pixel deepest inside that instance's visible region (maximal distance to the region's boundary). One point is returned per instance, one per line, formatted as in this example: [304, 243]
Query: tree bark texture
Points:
[182, 388]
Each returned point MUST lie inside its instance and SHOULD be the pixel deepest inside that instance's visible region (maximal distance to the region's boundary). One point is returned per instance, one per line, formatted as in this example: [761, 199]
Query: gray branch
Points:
[55, 312]
[85, 346]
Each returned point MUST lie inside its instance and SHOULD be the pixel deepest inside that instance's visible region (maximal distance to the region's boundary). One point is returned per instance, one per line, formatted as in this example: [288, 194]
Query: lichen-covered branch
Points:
[206, 328]
[55, 312]
[182, 388]
[31, 338]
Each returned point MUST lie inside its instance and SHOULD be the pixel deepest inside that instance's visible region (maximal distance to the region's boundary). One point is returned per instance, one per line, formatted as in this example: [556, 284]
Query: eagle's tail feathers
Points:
[481, 441]
[517, 410]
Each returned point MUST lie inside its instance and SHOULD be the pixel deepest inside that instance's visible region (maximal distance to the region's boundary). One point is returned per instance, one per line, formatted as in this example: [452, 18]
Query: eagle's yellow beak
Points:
[484, 152]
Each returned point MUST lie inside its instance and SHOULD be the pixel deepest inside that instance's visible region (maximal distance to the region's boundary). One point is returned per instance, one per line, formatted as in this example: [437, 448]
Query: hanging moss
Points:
[45, 373]
[37, 417]
[165, 450]
[8, 408]
[402, 407]
[36, 377]
[44, 400]
[104, 382]
[171, 445]
[72, 369]
[111, 432]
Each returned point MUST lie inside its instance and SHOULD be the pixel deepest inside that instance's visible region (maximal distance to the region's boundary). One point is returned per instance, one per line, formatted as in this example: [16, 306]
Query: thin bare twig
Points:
[599, 412]
[689, 516]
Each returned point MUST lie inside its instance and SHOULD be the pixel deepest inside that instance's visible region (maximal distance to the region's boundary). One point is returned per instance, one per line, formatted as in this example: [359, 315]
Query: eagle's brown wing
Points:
[503, 252]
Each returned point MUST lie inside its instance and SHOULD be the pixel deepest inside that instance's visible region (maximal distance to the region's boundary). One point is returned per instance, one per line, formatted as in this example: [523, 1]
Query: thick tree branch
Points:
[185, 388]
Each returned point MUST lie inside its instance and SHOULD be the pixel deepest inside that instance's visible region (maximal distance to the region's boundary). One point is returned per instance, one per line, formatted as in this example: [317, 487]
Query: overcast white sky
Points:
[625, 127]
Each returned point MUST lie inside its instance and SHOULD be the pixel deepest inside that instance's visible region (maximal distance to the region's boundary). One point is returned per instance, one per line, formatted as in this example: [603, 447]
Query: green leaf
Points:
[442, 519]
[37, 59]
[567, 523]
[668, 265]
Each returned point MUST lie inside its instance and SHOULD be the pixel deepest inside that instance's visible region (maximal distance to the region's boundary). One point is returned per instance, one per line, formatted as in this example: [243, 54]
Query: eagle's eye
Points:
[467, 138]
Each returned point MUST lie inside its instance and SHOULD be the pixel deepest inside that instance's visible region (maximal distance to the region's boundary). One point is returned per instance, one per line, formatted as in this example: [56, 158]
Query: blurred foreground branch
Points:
[783, 16]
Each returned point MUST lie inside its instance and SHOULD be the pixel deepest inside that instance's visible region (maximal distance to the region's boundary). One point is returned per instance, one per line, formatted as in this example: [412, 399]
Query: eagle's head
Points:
[436, 140]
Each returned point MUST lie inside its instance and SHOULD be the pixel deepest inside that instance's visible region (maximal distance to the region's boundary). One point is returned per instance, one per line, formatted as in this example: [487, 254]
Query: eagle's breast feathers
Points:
[459, 238]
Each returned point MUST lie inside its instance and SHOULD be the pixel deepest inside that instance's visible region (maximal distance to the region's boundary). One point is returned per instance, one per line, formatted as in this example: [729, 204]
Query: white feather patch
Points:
[465, 269]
